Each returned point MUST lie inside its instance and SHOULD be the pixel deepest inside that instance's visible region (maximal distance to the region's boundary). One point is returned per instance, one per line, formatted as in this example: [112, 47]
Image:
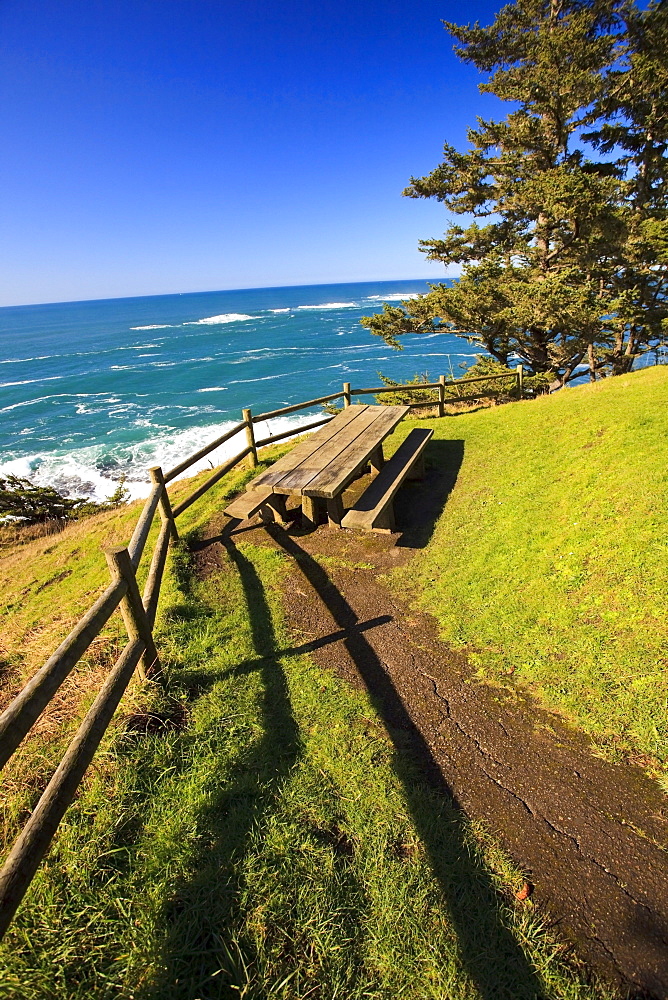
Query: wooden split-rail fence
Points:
[139, 613]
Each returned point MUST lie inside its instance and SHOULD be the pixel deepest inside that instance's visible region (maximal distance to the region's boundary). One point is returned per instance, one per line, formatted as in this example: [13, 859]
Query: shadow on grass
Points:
[199, 958]
[489, 952]
[418, 505]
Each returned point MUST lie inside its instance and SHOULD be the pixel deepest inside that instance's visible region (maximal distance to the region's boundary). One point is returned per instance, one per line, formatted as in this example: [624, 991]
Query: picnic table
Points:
[320, 468]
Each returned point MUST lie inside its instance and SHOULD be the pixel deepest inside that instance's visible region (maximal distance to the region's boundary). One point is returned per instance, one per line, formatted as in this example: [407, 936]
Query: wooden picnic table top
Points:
[328, 460]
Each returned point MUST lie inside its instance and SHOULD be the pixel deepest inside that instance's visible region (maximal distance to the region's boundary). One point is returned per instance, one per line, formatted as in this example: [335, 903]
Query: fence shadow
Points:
[197, 958]
[490, 954]
[418, 505]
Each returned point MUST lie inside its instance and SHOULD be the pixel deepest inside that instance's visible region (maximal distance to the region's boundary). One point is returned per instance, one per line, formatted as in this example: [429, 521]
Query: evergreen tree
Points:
[547, 276]
[23, 501]
[633, 127]
[20, 499]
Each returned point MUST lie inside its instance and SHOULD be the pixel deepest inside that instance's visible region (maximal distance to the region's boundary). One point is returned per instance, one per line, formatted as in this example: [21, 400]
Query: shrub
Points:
[23, 501]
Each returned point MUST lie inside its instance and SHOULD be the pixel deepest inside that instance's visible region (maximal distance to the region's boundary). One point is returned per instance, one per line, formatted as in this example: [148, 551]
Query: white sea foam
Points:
[264, 378]
[154, 326]
[95, 470]
[394, 297]
[216, 320]
[25, 402]
[214, 388]
[271, 351]
[279, 310]
[70, 354]
[56, 395]
[332, 305]
[269, 378]
[20, 361]
[30, 381]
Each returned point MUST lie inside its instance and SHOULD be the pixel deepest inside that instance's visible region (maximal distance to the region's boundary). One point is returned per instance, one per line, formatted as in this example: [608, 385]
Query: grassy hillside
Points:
[260, 843]
[549, 563]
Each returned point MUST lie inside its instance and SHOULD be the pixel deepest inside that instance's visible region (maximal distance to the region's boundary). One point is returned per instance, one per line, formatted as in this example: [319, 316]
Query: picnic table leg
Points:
[377, 460]
[277, 504]
[311, 512]
[386, 522]
[418, 470]
[335, 511]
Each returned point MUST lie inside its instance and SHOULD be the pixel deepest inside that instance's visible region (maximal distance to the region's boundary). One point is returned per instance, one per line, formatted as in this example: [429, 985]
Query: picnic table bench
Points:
[320, 468]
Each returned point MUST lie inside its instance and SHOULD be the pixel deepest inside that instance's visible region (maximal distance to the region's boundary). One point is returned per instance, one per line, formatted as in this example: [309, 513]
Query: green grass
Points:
[276, 841]
[46, 586]
[549, 563]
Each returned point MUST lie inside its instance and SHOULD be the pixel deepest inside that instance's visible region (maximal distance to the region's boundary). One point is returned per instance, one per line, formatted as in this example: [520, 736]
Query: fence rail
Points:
[139, 613]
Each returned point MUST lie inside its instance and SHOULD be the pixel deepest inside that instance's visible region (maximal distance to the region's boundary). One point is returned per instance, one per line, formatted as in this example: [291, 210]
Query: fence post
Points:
[520, 381]
[346, 394]
[441, 395]
[132, 609]
[250, 438]
[166, 514]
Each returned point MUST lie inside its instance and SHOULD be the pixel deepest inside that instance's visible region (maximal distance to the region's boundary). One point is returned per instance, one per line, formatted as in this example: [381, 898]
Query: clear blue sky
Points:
[154, 146]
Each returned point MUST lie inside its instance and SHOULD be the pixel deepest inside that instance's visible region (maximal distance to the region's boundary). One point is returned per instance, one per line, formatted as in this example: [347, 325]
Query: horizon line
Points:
[215, 291]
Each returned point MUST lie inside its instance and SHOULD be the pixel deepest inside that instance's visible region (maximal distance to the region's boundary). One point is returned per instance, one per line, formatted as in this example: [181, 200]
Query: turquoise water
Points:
[90, 391]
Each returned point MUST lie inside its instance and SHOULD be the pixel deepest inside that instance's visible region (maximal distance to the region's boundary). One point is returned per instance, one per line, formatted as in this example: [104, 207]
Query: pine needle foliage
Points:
[564, 250]
[27, 503]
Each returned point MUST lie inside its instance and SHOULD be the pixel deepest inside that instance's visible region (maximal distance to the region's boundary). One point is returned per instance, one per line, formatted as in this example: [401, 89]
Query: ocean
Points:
[92, 391]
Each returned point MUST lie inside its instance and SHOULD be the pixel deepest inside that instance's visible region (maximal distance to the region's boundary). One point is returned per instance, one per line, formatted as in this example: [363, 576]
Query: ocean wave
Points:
[31, 381]
[394, 297]
[25, 402]
[214, 388]
[264, 378]
[272, 352]
[121, 411]
[85, 354]
[57, 395]
[247, 359]
[332, 305]
[20, 361]
[325, 368]
[217, 320]
[95, 470]
[155, 326]
[276, 311]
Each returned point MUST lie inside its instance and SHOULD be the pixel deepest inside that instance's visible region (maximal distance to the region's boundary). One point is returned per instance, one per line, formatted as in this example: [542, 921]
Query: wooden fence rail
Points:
[139, 613]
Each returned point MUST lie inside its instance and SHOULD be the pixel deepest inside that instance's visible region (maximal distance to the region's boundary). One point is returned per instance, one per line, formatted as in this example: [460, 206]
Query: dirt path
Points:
[590, 835]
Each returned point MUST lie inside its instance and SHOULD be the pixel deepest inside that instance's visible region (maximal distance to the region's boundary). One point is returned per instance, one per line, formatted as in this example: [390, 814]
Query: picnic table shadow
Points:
[195, 952]
[489, 953]
[199, 959]
[418, 505]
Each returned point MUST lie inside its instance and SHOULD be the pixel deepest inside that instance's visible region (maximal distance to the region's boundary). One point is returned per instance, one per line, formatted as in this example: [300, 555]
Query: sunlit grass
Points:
[263, 842]
[549, 563]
